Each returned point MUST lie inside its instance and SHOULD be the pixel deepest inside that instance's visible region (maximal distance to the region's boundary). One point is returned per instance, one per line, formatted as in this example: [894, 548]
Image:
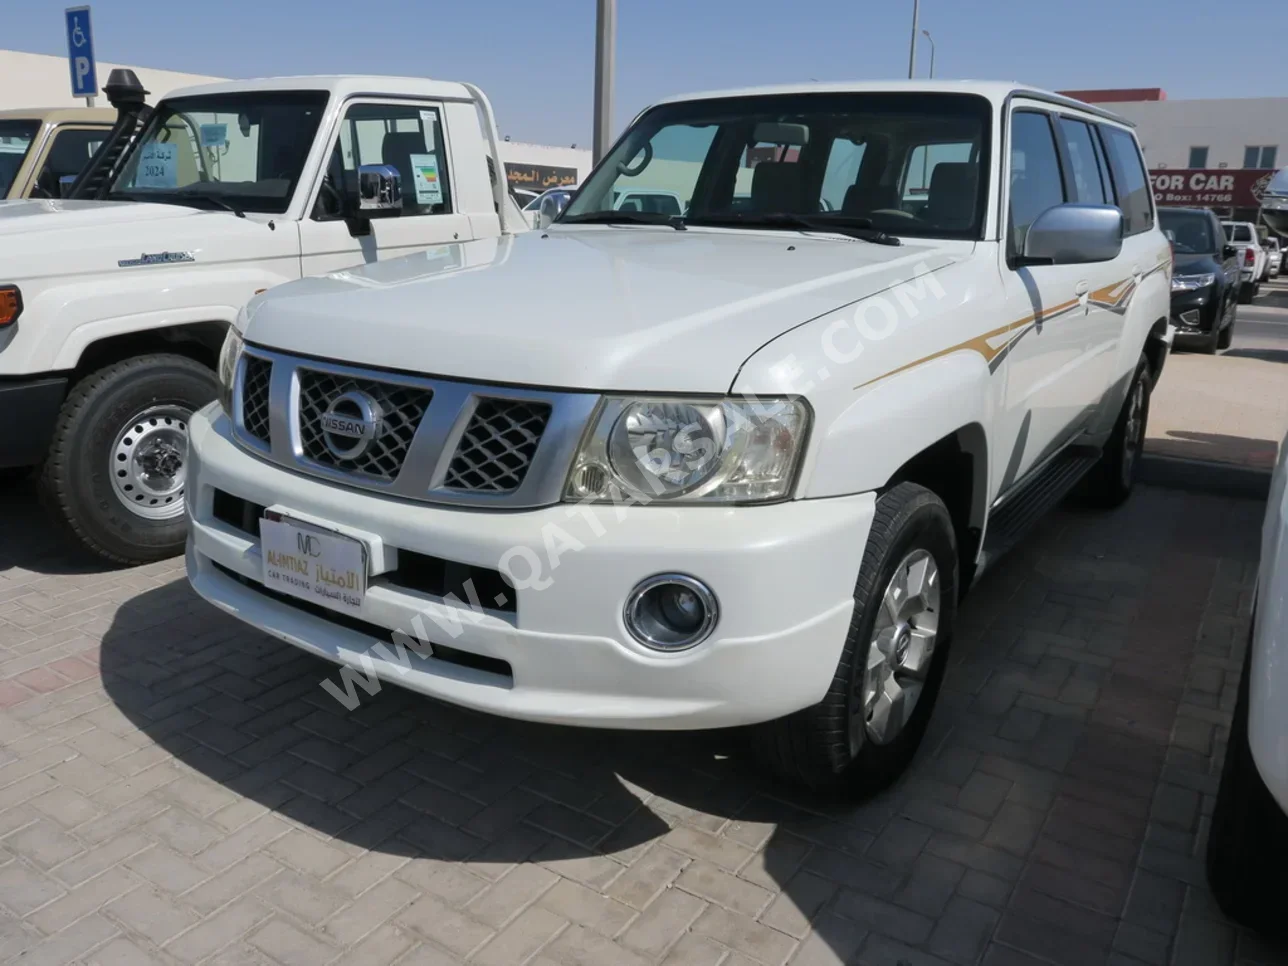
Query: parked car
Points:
[1205, 277]
[741, 469]
[649, 200]
[40, 148]
[114, 305]
[1274, 256]
[1274, 203]
[1252, 257]
[1248, 841]
[532, 210]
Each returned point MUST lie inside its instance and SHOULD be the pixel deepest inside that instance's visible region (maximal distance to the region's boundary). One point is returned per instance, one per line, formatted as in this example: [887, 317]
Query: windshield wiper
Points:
[213, 199]
[624, 218]
[851, 226]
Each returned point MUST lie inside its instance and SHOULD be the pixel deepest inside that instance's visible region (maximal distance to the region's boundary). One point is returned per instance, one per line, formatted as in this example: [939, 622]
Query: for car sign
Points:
[80, 52]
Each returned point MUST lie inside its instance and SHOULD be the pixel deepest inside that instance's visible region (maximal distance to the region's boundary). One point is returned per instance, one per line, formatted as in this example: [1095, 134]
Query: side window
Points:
[1036, 184]
[1086, 166]
[1135, 197]
[68, 154]
[407, 137]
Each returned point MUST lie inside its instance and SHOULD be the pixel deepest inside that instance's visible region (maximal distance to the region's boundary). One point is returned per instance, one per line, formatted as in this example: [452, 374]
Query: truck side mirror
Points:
[378, 194]
[552, 206]
[379, 190]
[1074, 235]
[1229, 251]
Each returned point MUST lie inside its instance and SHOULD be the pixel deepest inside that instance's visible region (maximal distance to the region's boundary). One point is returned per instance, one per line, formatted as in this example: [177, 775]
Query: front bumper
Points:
[784, 576]
[31, 409]
[1195, 312]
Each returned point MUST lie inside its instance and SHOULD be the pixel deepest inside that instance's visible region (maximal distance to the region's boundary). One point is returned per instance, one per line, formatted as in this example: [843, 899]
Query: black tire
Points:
[76, 484]
[1245, 294]
[1227, 336]
[1248, 839]
[814, 746]
[1211, 340]
[1110, 481]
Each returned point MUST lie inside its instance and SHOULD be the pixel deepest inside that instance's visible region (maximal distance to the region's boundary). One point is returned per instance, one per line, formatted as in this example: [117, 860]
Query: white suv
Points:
[738, 466]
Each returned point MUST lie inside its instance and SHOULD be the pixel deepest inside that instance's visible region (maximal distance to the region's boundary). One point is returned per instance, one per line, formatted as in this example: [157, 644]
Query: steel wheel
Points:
[148, 463]
[900, 652]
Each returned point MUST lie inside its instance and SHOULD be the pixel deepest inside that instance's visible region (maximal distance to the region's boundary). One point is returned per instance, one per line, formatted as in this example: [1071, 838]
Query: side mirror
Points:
[552, 206]
[1229, 251]
[379, 191]
[1073, 235]
[65, 185]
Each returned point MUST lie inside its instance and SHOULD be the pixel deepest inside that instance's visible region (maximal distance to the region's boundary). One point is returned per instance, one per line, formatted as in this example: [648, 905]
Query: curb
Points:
[1225, 479]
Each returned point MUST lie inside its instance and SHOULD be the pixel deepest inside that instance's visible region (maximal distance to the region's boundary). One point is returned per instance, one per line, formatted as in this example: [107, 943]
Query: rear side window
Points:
[1130, 181]
[1036, 183]
[1086, 164]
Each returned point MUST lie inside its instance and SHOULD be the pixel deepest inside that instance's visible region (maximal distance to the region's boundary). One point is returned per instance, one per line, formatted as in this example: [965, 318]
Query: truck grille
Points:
[255, 382]
[401, 410]
[497, 447]
[412, 437]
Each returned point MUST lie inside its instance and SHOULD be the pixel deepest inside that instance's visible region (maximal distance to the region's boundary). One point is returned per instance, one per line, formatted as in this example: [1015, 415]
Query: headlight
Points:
[691, 450]
[228, 357]
[1188, 283]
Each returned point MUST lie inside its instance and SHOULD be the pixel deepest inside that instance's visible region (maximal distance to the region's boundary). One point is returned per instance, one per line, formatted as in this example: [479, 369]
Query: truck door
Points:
[68, 151]
[409, 136]
[1054, 378]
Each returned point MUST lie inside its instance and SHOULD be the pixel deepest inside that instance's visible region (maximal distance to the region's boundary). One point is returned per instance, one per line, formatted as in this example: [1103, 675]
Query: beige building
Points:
[41, 80]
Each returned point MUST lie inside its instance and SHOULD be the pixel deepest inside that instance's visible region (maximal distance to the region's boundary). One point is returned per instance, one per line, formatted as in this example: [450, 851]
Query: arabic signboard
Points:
[539, 177]
[1210, 187]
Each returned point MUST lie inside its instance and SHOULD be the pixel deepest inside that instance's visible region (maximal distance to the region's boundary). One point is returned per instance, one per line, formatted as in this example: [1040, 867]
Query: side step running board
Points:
[1025, 505]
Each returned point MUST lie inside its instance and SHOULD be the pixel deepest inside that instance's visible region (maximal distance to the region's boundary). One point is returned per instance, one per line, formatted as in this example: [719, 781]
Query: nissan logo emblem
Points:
[350, 425]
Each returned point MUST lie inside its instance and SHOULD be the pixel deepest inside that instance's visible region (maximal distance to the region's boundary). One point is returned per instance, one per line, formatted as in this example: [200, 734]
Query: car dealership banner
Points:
[1210, 187]
[538, 177]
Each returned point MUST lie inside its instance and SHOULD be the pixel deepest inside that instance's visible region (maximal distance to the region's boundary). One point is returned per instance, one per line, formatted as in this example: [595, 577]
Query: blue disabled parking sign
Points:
[80, 52]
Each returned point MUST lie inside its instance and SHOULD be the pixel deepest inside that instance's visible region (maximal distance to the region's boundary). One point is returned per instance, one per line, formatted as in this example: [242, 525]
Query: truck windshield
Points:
[15, 142]
[241, 150]
[910, 164]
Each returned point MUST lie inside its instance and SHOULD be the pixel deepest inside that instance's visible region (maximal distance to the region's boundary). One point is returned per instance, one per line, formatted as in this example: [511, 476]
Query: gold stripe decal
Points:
[992, 345]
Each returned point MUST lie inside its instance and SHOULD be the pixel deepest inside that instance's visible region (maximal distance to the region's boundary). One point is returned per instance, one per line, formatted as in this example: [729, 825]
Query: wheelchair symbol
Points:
[78, 36]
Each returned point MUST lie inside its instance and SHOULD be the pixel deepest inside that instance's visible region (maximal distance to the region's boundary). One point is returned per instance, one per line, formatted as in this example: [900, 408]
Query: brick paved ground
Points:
[175, 788]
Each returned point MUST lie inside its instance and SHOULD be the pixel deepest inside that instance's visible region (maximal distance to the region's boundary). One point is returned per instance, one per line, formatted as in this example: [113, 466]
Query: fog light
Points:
[671, 612]
[1191, 317]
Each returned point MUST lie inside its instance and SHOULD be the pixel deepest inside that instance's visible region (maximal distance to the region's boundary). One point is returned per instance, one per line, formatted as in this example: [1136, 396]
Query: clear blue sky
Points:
[536, 59]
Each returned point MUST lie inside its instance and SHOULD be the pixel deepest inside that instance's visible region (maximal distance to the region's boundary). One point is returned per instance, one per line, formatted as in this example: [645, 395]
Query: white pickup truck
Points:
[114, 302]
[740, 468]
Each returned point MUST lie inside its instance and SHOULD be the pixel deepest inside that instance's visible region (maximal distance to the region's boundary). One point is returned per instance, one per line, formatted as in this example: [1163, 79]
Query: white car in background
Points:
[1274, 257]
[1252, 257]
[1247, 857]
[532, 210]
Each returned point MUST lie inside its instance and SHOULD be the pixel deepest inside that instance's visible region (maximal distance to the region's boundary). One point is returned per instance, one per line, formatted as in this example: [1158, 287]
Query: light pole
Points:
[605, 35]
[912, 47]
[926, 33]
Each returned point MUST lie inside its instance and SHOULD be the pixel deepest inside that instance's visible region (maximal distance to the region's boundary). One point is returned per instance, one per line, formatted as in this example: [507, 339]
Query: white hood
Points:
[40, 238]
[645, 309]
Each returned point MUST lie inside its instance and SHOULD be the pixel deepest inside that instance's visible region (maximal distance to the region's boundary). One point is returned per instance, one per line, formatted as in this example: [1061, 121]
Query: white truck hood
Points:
[622, 309]
[40, 238]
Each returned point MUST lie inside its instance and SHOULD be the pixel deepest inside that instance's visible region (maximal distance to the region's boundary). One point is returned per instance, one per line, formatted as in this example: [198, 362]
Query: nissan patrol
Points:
[741, 464]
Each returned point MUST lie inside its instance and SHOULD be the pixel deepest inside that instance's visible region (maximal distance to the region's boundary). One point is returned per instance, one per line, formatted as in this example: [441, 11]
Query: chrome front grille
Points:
[497, 447]
[255, 387]
[401, 409]
[419, 438]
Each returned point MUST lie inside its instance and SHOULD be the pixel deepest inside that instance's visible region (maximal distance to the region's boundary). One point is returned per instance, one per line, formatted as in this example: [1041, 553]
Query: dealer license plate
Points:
[313, 563]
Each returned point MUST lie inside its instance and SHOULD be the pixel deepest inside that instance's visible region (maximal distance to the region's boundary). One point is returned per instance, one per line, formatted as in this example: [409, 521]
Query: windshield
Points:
[15, 142]
[244, 150]
[1190, 231]
[908, 164]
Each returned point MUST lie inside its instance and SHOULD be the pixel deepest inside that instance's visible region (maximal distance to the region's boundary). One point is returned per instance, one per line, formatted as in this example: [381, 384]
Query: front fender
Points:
[64, 316]
[864, 442]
